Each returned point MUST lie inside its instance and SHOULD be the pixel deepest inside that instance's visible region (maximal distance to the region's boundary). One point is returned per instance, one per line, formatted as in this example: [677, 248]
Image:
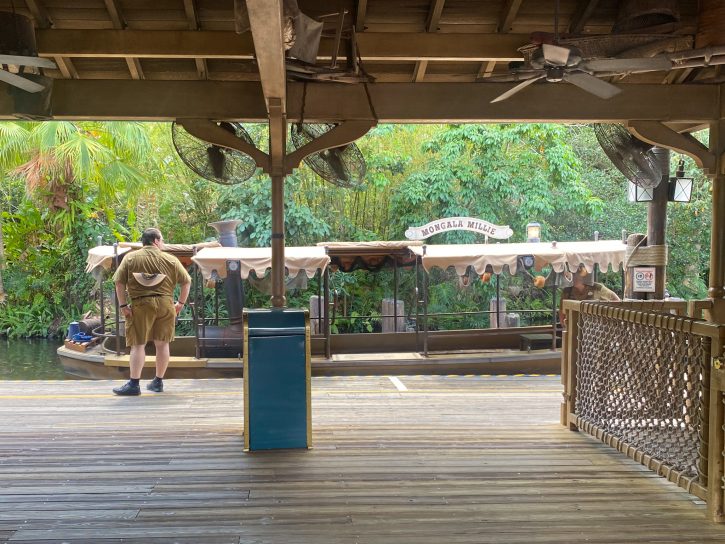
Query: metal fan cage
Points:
[342, 166]
[633, 157]
[237, 167]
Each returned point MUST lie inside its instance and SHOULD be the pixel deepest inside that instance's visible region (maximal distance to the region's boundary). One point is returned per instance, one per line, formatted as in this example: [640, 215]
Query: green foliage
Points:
[507, 174]
[63, 184]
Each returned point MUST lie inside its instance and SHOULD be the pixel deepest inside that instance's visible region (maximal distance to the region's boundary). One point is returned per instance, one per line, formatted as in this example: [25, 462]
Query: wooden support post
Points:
[563, 414]
[657, 220]
[717, 251]
[633, 240]
[716, 436]
[277, 274]
[277, 145]
[717, 229]
[572, 349]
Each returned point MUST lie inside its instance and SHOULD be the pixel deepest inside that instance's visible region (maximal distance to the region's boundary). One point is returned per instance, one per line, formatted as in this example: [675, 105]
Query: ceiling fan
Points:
[555, 62]
[19, 61]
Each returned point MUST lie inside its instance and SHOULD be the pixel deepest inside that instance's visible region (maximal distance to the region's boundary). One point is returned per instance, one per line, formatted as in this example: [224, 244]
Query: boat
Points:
[406, 343]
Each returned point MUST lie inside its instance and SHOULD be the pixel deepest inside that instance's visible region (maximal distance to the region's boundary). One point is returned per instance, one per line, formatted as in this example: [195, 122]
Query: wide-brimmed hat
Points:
[148, 280]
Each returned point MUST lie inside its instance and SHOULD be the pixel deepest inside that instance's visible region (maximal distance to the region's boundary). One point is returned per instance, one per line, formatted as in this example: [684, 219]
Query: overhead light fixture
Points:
[636, 193]
[680, 187]
[533, 232]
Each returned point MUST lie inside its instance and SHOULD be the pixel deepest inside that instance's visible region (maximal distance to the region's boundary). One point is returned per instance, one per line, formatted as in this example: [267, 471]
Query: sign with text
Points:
[644, 279]
[500, 232]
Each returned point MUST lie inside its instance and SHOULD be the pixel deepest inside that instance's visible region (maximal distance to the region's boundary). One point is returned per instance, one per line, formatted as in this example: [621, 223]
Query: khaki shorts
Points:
[152, 318]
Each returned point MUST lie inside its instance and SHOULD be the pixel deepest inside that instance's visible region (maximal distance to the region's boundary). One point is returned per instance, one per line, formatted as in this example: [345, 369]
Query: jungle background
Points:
[64, 186]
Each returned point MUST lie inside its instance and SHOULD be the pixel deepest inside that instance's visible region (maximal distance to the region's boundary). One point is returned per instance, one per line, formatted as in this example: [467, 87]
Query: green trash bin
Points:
[277, 410]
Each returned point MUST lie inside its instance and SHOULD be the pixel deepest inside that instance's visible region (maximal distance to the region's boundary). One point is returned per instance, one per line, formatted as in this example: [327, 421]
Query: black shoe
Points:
[156, 385]
[128, 390]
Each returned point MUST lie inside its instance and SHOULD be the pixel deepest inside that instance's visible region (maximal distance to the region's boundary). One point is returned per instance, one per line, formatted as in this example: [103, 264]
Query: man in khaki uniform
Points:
[148, 276]
[584, 287]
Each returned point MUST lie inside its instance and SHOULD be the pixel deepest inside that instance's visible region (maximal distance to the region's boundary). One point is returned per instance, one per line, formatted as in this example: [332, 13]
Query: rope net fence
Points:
[643, 387]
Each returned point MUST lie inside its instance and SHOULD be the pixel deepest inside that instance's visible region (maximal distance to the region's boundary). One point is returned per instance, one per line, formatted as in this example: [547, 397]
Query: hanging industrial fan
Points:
[633, 157]
[19, 61]
[343, 166]
[212, 162]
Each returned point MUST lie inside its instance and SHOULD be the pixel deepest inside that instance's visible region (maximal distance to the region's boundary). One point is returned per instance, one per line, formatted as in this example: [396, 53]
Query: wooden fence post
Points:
[572, 348]
[716, 438]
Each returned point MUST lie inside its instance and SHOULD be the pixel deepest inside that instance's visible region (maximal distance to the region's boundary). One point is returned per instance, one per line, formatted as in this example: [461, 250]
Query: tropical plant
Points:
[74, 178]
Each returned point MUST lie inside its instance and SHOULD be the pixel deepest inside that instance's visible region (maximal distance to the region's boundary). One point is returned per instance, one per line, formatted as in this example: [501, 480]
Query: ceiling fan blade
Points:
[519, 75]
[18, 60]
[591, 84]
[513, 90]
[20, 82]
[555, 54]
[653, 64]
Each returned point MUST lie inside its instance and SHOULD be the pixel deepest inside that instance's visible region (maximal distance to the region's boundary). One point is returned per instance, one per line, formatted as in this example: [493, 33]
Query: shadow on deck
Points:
[454, 459]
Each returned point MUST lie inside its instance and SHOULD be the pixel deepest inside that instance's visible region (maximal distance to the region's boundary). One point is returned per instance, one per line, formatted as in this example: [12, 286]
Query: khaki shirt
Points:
[151, 260]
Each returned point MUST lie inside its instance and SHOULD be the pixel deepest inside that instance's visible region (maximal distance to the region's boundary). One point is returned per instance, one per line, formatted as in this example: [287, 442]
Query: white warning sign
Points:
[644, 279]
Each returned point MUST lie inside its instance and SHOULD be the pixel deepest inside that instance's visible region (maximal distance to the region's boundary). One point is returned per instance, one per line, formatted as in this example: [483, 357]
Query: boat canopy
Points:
[558, 255]
[103, 255]
[213, 260]
[373, 255]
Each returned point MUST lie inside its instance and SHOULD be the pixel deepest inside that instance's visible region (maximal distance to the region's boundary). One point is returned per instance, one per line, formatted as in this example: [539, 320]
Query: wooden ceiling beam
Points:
[510, 10]
[581, 15]
[394, 102]
[119, 23]
[134, 67]
[378, 46]
[362, 7]
[37, 10]
[192, 14]
[114, 12]
[431, 25]
[434, 15]
[419, 70]
[66, 67]
[265, 19]
[43, 21]
[486, 69]
[202, 68]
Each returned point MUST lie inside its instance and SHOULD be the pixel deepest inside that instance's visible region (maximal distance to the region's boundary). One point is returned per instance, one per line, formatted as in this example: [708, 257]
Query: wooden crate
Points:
[79, 347]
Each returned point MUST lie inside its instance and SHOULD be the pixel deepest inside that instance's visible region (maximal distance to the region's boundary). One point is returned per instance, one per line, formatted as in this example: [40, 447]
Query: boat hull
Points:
[97, 364]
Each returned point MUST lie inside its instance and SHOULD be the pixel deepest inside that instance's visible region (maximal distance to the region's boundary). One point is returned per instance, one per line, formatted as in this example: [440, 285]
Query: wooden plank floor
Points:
[426, 459]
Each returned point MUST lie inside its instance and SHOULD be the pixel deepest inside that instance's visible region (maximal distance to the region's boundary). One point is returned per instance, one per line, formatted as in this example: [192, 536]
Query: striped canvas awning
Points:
[558, 255]
[214, 260]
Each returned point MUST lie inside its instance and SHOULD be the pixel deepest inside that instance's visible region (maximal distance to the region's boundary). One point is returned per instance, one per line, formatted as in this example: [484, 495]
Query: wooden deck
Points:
[442, 459]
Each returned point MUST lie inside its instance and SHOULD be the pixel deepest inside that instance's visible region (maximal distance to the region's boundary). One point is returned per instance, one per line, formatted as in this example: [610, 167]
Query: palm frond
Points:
[14, 140]
[130, 139]
[50, 134]
[85, 153]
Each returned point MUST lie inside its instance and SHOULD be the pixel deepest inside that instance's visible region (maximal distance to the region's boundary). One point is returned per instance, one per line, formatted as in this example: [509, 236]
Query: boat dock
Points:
[425, 459]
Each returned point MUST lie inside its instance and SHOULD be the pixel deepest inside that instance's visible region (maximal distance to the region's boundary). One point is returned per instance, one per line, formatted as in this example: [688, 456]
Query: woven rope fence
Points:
[643, 380]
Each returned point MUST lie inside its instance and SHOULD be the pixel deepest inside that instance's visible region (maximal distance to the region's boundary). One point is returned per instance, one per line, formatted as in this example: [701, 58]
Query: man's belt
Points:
[148, 296]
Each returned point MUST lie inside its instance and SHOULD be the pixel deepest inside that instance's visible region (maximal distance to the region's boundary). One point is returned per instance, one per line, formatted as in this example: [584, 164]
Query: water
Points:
[30, 360]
